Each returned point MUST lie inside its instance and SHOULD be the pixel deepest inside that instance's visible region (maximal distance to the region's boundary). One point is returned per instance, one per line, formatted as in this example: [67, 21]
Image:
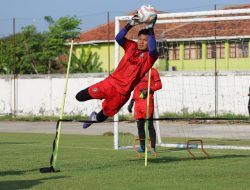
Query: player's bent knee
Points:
[83, 95]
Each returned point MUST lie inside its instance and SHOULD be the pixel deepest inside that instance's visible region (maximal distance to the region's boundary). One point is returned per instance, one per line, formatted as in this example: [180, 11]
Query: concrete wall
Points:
[183, 92]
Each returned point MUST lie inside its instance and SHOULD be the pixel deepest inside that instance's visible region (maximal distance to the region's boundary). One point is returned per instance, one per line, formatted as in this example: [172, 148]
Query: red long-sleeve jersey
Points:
[132, 68]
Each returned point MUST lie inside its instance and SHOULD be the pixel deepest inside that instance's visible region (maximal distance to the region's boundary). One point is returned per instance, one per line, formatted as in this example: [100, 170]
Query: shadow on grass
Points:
[8, 143]
[174, 159]
[25, 184]
[230, 156]
[166, 159]
[161, 159]
[16, 172]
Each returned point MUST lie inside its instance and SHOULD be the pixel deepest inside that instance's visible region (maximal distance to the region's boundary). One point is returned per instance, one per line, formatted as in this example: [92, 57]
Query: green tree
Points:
[59, 33]
[38, 53]
[6, 55]
[28, 51]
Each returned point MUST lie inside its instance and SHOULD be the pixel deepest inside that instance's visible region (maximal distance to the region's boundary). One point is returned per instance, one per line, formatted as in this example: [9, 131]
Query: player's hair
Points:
[143, 31]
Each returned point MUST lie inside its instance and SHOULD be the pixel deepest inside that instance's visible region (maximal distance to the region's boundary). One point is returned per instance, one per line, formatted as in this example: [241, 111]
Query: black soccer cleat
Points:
[50, 169]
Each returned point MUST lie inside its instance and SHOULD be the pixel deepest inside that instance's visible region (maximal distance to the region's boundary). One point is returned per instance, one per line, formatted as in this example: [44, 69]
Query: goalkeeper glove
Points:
[143, 93]
[130, 106]
[152, 23]
[135, 20]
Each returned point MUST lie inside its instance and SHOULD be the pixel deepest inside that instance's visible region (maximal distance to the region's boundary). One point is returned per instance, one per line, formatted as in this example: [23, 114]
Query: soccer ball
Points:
[146, 14]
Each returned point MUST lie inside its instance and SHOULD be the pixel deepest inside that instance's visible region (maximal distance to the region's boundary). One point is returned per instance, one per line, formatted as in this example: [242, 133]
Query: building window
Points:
[168, 51]
[174, 52]
[192, 51]
[239, 50]
[216, 51]
[162, 49]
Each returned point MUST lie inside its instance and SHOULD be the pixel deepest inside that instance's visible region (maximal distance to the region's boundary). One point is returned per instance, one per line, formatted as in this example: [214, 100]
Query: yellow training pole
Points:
[147, 117]
[62, 107]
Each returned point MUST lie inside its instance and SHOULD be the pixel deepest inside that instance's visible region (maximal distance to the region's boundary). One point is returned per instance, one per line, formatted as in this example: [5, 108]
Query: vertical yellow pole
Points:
[62, 107]
[147, 117]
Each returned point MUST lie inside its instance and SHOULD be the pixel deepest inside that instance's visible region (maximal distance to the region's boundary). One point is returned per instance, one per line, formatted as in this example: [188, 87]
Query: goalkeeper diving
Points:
[139, 57]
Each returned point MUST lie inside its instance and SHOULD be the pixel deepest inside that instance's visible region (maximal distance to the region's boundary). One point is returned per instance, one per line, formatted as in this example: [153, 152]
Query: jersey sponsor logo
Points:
[95, 90]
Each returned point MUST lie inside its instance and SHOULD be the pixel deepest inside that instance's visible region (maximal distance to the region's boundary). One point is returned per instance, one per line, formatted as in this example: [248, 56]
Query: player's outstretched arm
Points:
[151, 38]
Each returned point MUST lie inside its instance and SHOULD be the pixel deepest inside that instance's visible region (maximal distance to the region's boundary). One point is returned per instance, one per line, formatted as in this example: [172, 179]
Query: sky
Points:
[91, 12]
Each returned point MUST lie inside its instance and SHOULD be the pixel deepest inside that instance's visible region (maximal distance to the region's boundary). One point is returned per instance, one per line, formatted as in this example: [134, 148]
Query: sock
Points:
[101, 117]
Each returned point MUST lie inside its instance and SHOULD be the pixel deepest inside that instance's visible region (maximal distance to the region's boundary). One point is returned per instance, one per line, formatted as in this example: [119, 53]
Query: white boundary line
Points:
[223, 147]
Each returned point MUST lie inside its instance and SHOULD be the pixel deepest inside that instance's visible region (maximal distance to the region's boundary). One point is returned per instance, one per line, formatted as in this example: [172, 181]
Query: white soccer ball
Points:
[146, 14]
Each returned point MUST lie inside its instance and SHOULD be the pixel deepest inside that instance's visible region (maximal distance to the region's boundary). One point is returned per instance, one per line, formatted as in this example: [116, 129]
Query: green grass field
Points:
[89, 162]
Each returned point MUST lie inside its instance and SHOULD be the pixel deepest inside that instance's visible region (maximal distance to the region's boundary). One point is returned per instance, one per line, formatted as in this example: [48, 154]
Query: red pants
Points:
[140, 109]
[113, 100]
